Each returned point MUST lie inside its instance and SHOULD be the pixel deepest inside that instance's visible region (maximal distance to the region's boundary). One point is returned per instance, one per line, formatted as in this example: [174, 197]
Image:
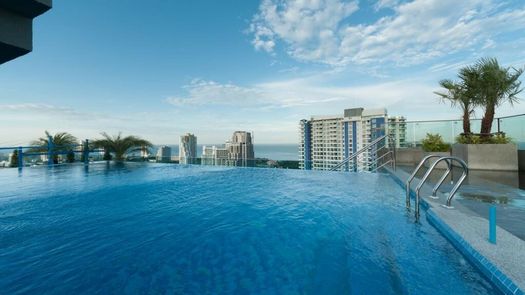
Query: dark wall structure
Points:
[16, 26]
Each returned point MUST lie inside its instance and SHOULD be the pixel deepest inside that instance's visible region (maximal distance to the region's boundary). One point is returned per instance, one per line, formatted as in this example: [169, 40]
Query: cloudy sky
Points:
[211, 67]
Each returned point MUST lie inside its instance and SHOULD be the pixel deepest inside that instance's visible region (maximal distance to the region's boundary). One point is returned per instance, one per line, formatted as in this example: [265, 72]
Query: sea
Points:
[278, 152]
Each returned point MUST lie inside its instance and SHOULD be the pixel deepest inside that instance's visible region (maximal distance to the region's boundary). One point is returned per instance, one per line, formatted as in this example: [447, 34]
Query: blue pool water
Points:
[169, 229]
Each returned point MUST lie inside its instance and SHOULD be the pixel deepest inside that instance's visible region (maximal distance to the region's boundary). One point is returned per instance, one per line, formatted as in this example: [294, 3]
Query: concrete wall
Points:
[521, 160]
[498, 157]
[409, 156]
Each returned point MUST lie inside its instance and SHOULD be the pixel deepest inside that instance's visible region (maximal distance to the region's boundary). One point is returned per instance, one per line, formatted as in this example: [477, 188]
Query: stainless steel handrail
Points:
[454, 189]
[358, 152]
[391, 160]
[383, 165]
[411, 177]
[442, 179]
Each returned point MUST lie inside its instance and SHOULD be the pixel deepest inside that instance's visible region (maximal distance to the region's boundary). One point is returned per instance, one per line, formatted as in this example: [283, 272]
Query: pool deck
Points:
[503, 263]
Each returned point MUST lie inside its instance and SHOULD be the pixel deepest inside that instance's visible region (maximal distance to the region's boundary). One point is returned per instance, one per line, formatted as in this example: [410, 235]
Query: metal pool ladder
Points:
[458, 184]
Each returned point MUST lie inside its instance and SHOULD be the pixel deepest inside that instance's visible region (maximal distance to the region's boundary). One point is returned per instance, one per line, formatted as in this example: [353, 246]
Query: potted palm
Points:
[117, 147]
[486, 85]
[60, 143]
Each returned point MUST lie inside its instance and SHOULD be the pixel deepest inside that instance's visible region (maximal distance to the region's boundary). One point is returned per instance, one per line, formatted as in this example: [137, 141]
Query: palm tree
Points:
[456, 94]
[60, 143]
[119, 145]
[492, 85]
[13, 162]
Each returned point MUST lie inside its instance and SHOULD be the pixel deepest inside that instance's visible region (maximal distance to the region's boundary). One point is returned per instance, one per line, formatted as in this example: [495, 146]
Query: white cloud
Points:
[202, 92]
[306, 94]
[418, 31]
[380, 4]
[300, 23]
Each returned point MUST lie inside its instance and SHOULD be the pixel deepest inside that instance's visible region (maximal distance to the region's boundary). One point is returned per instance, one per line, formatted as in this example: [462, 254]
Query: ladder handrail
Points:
[358, 152]
[454, 189]
[411, 177]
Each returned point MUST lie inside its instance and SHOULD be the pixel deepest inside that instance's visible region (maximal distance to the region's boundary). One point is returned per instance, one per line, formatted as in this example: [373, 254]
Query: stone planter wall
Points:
[496, 157]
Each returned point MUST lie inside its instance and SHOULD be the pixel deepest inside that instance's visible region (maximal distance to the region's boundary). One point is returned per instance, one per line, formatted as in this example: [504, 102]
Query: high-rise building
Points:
[164, 154]
[236, 152]
[240, 149]
[188, 149]
[397, 129]
[327, 140]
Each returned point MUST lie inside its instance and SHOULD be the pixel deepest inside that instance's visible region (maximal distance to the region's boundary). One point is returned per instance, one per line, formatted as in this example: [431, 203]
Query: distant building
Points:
[237, 152]
[397, 129]
[212, 155]
[187, 149]
[327, 140]
[164, 154]
[240, 149]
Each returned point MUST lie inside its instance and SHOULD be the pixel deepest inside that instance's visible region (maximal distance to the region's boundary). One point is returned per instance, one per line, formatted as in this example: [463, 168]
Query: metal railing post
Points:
[50, 151]
[20, 158]
[492, 224]
[86, 152]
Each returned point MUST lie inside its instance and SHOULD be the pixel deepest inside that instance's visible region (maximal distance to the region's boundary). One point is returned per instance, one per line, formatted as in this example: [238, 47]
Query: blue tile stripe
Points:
[489, 270]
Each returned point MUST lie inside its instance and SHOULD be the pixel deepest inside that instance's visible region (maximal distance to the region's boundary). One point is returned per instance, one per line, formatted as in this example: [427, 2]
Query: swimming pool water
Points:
[170, 229]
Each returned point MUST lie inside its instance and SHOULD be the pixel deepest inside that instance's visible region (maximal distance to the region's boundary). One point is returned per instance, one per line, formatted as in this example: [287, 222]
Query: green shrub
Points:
[468, 139]
[500, 139]
[434, 143]
[476, 139]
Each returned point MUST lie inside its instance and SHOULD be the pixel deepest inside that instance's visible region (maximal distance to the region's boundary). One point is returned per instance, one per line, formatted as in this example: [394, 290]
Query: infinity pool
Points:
[169, 229]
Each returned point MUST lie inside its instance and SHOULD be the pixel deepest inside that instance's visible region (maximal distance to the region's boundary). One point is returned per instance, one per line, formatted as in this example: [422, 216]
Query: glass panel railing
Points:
[411, 133]
[514, 127]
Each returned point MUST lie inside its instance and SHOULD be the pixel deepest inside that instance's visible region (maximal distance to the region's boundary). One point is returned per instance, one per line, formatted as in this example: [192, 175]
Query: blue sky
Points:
[165, 68]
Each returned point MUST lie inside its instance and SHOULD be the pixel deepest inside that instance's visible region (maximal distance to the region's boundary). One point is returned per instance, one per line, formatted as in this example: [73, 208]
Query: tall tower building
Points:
[188, 149]
[325, 141]
[164, 154]
[240, 149]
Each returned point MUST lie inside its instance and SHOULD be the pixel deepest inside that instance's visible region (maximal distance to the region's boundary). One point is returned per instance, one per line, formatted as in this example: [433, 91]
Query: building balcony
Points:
[16, 26]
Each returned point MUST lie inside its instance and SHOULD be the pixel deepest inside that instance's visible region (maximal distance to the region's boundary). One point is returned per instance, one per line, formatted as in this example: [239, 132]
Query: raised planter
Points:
[430, 162]
[497, 157]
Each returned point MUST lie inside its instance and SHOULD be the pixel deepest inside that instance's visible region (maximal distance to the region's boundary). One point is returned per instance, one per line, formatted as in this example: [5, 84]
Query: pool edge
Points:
[484, 265]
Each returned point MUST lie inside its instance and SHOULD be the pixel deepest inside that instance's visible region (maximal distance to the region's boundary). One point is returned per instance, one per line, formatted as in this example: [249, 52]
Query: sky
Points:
[159, 68]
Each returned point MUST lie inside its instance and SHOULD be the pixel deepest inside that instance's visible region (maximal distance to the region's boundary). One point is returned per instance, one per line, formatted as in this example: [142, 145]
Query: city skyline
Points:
[165, 68]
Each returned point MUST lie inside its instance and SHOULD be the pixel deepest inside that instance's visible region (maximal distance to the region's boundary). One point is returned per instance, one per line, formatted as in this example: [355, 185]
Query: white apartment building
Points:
[238, 151]
[327, 140]
[164, 154]
[187, 149]
[397, 129]
[213, 155]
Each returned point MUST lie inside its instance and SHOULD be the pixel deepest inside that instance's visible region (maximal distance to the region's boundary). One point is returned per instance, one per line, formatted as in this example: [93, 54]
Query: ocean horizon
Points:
[278, 152]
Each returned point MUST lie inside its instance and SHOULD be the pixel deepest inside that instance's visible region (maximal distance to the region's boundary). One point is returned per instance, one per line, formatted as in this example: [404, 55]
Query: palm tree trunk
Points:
[486, 122]
[466, 122]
